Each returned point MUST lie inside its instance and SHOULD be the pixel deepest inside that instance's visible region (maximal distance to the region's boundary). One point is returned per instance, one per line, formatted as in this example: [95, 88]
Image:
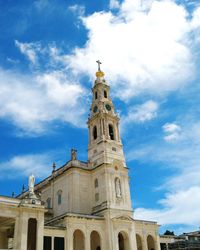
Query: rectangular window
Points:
[59, 243]
[47, 243]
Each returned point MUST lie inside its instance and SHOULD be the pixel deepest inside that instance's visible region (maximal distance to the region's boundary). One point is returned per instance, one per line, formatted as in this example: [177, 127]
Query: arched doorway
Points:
[150, 243]
[78, 240]
[95, 243]
[139, 242]
[123, 241]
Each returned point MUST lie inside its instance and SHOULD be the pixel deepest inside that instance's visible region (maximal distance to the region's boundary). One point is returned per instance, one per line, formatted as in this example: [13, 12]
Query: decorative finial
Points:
[99, 73]
[54, 167]
[99, 63]
[73, 154]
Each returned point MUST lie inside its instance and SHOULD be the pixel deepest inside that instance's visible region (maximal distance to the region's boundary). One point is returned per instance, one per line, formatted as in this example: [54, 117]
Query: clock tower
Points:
[104, 139]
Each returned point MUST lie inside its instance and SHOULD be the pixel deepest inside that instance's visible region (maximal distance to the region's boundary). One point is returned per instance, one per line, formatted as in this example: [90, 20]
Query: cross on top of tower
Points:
[99, 63]
[99, 73]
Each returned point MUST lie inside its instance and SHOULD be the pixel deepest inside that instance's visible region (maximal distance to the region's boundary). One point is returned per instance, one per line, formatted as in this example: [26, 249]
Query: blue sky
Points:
[150, 54]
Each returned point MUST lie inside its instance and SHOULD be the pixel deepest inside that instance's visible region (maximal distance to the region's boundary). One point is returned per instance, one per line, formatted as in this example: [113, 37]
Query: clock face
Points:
[108, 107]
[95, 109]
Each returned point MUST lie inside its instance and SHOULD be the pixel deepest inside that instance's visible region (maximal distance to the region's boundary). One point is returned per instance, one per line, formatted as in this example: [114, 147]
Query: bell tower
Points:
[103, 123]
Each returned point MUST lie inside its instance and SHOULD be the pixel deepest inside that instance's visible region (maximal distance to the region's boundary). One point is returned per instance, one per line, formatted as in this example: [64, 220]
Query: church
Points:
[81, 205]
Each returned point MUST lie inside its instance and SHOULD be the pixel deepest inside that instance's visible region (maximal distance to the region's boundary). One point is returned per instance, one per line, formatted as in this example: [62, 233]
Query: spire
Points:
[99, 73]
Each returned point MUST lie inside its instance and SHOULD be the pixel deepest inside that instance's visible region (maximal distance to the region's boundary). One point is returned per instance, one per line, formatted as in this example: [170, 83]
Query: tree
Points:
[167, 232]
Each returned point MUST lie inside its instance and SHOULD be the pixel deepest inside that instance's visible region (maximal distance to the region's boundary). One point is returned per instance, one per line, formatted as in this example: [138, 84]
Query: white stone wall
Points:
[76, 187]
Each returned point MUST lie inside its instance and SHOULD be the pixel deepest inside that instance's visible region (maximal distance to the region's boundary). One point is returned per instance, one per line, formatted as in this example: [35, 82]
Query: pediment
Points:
[123, 217]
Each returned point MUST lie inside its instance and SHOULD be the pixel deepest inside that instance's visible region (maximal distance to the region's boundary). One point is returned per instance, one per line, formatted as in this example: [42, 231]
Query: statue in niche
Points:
[73, 154]
[31, 183]
[118, 188]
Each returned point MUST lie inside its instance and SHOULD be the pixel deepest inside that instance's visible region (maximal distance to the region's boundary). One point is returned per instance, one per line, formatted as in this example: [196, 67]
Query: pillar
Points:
[52, 243]
[69, 240]
[117, 241]
[157, 243]
[22, 233]
[132, 240]
[87, 241]
[16, 233]
[144, 242]
[40, 231]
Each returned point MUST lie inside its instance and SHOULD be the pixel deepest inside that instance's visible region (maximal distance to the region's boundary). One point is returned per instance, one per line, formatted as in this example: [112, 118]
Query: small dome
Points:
[99, 74]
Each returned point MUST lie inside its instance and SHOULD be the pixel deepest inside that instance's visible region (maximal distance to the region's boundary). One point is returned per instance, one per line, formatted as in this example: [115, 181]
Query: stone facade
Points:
[84, 205]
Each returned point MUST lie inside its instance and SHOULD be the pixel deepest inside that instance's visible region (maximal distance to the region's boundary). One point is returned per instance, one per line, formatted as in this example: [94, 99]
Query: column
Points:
[40, 231]
[69, 240]
[23, 231]
[157, 243]
[144, 242]
[66, 232]
[117, 243]
[52, 243]
[132, 240]
[87, 241]
[16, 231]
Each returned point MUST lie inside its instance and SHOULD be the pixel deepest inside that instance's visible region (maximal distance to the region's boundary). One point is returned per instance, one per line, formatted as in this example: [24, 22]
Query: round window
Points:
[108, 107]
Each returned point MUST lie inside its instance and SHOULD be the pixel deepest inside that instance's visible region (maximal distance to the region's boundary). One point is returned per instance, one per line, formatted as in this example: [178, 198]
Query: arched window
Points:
[78, 240]
[48, 202]
[111, 131]
[139, 242]
[95, 241]
[105, 94]
[123, 241]
[96, 184]
[96, 95]
[150, 243]
[118, 189]
[95, 132]
[59, 195]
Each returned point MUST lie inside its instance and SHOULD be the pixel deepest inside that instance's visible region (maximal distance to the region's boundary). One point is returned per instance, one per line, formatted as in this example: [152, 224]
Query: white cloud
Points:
[180, 207]
[142, 51]
[141, 113]
[182, 199]
[114, 4]
[30, 50]
[171, 128]
[195, 24]
[32, 102]
[79, 10]
[24, 165]
[172, 132]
